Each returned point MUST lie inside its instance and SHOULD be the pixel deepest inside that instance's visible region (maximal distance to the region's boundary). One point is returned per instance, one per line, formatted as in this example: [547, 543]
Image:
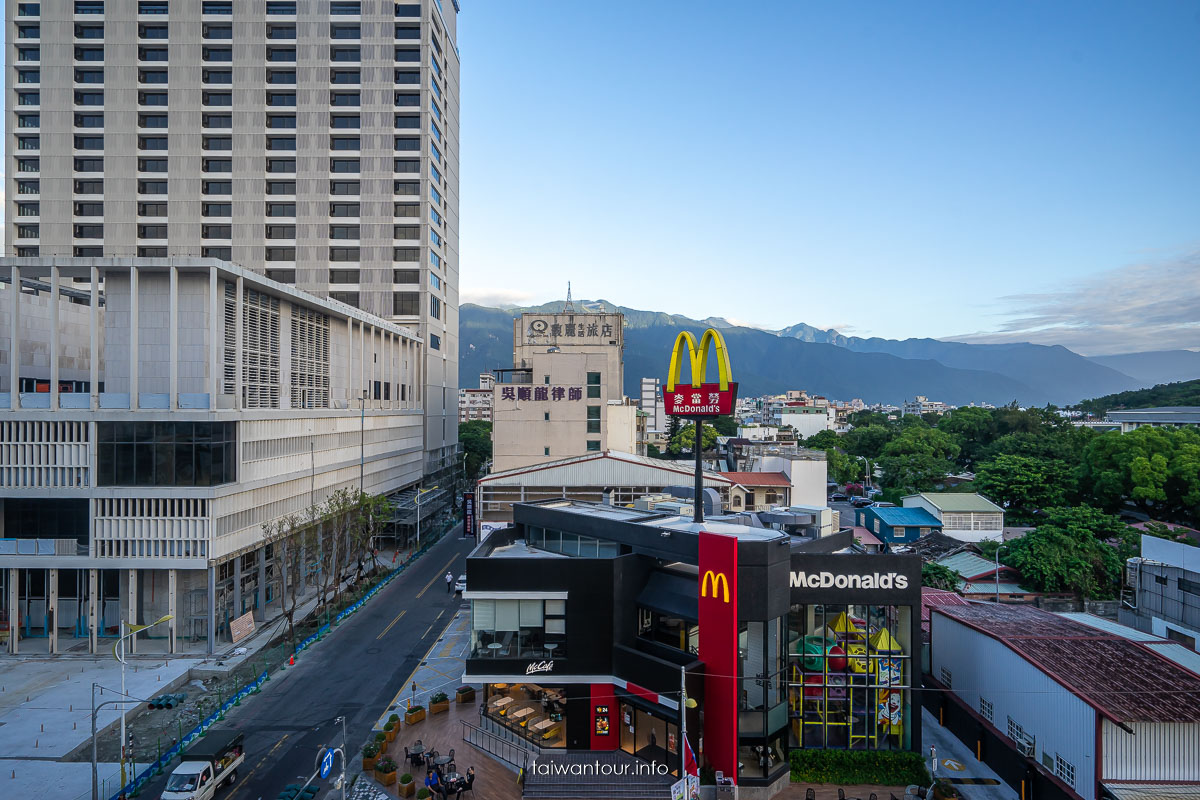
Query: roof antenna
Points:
[570, 306]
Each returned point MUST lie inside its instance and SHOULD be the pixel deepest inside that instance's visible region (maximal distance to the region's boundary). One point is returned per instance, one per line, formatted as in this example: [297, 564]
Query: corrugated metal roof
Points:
[937, 597]
[1182, 655]
[911, 517]
[1153, 791]
[1124, 680]
[758, 478]
[864, 536]
[959, 502]
[989, 588]
[969, 565]
[607, 468]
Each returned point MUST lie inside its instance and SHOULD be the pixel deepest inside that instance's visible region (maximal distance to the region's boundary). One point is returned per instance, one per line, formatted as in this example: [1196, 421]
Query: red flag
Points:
[690, 766]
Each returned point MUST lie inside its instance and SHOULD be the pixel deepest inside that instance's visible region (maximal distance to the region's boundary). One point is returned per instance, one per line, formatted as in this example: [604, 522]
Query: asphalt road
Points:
[354, 672]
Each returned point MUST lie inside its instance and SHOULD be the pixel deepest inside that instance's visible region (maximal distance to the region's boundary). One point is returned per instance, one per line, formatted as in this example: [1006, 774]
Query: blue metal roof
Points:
[907, 517]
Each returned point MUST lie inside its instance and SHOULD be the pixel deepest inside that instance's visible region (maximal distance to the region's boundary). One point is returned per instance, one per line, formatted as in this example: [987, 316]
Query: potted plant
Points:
[438, 703]
[389, 730]
[380, 738]
[423, 794]
[407, 785]
[464, 694]
[414, 715]
[385, 770]
[944, 790]
[370, 754]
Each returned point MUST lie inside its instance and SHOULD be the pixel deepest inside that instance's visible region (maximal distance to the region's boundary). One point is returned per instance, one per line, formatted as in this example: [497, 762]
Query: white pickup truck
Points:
[206, 766]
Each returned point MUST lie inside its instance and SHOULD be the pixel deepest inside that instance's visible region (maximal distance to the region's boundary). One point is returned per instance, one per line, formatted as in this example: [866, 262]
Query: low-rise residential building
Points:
[923, 405]
[1161, 417]
[758, 491]
[979, 578]
[1162, 591]
[896, 525]
[968, 517]
[1060, 709]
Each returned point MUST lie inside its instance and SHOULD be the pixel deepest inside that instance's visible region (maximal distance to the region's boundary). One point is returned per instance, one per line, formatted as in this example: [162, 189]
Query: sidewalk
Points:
[958, 764]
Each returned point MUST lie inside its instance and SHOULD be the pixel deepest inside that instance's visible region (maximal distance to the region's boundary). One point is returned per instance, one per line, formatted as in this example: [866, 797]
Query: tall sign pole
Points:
[698, 400]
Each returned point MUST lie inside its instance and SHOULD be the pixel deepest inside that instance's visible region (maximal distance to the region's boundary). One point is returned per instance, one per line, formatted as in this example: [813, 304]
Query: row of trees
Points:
[1027, 460]
[320, 545]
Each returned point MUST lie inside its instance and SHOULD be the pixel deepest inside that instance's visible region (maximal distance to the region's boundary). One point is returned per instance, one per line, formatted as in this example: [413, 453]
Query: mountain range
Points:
[844, 367]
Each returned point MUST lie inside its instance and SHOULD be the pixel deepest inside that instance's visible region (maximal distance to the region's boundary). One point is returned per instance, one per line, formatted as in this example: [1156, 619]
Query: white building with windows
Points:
[314, 143]
[967, 517]
[149, 429]
[1090, 713]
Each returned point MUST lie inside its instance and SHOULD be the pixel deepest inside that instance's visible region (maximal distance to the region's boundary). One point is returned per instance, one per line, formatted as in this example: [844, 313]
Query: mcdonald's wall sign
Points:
[698, 399]
[718, 611]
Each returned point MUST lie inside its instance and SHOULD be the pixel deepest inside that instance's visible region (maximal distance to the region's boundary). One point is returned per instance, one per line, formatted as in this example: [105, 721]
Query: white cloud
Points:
[496, 298]
[1153, 306]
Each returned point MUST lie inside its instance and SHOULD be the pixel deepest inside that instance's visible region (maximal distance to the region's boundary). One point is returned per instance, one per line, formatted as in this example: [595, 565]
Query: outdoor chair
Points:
[810, 794]
[841, 791]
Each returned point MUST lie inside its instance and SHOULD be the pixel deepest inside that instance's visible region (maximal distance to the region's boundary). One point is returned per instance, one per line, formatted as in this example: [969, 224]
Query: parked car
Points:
[838, 497]
[861, 502]
[460, 585]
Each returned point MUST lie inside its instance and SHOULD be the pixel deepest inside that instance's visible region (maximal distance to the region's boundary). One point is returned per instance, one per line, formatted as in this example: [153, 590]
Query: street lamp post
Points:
[95, 710]
[362, 441]
[685, 703]
[120, 644]
[998, 549]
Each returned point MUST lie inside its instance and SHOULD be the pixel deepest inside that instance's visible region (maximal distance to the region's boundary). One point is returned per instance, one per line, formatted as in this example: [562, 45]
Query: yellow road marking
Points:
[437, 576]
[426, 633]
[390, 624]
[261, 761]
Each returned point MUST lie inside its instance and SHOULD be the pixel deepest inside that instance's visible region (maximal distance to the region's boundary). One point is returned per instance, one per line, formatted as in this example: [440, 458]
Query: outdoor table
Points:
[416, 749]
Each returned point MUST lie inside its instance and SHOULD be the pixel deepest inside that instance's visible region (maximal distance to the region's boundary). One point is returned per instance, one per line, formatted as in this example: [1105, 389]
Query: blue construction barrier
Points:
[139, 781]
[167, 757]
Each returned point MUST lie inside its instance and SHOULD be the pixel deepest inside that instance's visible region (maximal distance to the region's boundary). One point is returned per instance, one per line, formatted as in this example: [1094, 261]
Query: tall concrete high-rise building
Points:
[313, 141]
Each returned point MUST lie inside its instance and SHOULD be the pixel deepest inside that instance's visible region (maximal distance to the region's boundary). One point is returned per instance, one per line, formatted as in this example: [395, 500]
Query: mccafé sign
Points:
[830, 580]
[699, 399]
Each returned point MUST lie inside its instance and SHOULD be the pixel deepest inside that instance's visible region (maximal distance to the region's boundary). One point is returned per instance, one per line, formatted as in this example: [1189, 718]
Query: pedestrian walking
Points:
[449, 582]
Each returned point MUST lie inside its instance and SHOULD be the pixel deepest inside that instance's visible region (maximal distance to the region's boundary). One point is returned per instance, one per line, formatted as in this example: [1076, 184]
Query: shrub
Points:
[406, 778]
[414, 708]
[438, 697]
[370, 750]
[394, 718]
[381, 737]
[882, 767]
[389, 725]
[422, 793]
[386, 764]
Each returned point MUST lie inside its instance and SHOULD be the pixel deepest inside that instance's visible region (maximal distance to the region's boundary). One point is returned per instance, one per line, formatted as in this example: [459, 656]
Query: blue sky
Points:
[997, 171]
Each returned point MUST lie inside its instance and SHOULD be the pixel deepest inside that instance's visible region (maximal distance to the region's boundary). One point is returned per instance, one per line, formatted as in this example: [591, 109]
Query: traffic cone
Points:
[291, 660]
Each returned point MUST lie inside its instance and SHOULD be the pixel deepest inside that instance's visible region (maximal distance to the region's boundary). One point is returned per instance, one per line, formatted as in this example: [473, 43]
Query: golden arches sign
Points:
[719, 584]
[698, 359]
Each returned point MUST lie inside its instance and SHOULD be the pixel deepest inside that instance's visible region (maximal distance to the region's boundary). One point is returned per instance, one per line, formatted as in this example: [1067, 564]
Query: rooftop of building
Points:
[685, 474]
[955, 502]
[758, 478]
[934, 545]
[1124, 680]
[969, 565]
[1178, 652]
[520, 549]
[865, 537]
[906, 517]
[666, 522]
[1177, 414]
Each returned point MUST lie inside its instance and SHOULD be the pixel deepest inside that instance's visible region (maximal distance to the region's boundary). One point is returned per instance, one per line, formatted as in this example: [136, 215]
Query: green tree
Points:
[936, 576]
[972, 429]
[868, 441]
[476, 439]
[823, 440]
[918, 459]
[841, 467]
[1078, 549]
[685, 440]
[1156, 468]
[1023, 484]
[725, 426]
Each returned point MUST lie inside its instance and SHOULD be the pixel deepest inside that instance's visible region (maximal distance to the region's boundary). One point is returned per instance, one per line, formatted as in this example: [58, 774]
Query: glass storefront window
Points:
[674, 632]
[518, 629]
[528, 710]
[849, 675]
[649, 736]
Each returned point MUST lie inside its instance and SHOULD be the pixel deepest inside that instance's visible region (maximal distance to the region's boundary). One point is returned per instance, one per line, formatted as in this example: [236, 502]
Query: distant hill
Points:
[1155, 366]
[763, 363]
[1184, 393]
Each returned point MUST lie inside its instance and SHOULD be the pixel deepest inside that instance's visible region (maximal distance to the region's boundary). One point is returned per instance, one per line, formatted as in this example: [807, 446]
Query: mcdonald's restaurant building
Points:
[589, 622]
